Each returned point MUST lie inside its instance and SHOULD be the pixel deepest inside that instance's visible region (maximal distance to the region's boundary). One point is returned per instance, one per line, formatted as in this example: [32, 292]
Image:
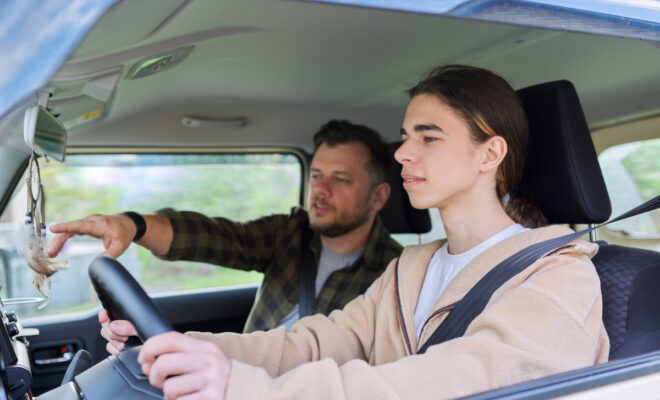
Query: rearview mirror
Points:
[44, 133]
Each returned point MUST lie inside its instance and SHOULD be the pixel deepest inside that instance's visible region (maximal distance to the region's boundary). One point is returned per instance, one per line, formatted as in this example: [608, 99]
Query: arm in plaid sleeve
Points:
[243, 245]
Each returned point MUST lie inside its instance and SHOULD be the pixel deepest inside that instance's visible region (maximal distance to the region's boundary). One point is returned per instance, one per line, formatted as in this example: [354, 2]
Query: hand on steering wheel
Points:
[124, 299]
[178, 364]
[115, 332]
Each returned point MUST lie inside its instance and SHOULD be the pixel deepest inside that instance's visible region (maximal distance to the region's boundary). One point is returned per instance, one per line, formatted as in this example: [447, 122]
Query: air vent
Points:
[159, 62]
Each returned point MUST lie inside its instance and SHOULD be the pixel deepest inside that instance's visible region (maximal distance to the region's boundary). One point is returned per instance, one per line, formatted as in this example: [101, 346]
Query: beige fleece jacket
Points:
[544, 321]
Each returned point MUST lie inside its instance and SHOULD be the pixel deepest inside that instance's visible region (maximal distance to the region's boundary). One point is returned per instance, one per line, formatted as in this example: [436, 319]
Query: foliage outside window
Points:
[632, 176]
[237, 186]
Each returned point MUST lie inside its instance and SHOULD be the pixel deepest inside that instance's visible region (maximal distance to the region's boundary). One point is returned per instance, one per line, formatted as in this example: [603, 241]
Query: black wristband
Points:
[140, 224]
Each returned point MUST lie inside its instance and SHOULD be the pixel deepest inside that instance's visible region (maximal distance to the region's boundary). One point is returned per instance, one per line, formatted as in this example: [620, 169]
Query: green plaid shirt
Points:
[272, 245]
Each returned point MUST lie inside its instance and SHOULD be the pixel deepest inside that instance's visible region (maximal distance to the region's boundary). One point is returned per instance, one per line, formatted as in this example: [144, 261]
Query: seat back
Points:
[629, 280]
[563, 177]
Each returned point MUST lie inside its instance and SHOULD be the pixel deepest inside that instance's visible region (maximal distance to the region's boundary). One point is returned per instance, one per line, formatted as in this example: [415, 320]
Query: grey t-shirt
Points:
[329, 262]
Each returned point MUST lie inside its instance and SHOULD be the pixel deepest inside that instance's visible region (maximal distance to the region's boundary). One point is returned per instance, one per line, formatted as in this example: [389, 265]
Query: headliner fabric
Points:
[398, 215]
[562, 174]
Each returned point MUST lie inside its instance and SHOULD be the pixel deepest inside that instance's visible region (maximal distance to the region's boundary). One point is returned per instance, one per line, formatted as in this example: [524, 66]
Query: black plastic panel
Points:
[210, 310]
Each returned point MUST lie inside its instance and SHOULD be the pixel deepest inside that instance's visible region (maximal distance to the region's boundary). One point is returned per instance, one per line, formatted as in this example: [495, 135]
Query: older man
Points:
[345, 250]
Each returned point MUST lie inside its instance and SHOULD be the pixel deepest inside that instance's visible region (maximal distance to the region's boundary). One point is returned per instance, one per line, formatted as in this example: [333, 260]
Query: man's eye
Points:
[314, 176]
[429, 139]
[342, 180]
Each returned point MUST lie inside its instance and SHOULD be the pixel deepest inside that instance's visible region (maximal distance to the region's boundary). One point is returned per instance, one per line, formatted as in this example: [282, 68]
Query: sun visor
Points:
[79, 100]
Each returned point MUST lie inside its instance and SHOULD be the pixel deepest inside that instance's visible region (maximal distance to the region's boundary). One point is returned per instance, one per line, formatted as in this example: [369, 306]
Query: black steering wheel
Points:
[120, 376]
[123, 297]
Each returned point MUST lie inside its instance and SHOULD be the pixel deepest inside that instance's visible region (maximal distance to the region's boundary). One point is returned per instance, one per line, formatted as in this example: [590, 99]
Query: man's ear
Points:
[495, 149]
[379, 195]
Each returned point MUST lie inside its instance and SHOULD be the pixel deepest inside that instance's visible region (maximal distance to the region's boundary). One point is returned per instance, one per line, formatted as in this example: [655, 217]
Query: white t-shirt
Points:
[329, 262]
[444, 267]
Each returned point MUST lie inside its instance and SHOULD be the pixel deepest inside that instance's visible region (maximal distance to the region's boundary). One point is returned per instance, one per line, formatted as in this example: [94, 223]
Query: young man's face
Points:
[340, 189]
[441, 163]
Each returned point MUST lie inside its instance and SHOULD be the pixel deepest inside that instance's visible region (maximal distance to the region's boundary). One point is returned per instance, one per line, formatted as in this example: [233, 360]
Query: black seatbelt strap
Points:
[475, 300]
[307, 275]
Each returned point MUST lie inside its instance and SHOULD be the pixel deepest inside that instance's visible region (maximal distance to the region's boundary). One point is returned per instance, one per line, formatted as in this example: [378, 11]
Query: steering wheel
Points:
[123, 297]
[116, 377]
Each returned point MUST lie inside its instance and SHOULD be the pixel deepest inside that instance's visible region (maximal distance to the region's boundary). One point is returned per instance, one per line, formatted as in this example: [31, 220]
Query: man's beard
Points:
[337, 228]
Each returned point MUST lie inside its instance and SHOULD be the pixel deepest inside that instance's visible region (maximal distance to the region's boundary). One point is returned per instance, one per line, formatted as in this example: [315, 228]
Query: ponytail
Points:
[525, 212]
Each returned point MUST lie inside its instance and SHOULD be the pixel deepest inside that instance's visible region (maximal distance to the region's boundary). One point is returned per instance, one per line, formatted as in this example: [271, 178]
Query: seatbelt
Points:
[475, 300]
[307, 275]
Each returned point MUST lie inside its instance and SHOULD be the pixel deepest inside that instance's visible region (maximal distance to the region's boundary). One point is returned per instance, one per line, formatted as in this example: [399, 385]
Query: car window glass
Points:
[237, 186]
[632, 176]
[437, 232]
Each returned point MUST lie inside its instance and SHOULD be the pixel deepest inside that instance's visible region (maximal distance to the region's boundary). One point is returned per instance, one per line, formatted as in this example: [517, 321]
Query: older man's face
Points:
[339, 189]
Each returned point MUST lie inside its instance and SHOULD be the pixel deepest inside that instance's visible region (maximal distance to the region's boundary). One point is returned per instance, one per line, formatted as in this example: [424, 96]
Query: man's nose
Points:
[404, 153]
[321, 187]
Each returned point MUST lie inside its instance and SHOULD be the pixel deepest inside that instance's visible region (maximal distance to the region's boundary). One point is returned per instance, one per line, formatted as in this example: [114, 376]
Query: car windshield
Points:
[641, 10]
[32, 55]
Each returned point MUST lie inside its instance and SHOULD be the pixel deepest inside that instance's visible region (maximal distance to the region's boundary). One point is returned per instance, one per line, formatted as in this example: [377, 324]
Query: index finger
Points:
[93, 225]
[57, 244]
[79, 226]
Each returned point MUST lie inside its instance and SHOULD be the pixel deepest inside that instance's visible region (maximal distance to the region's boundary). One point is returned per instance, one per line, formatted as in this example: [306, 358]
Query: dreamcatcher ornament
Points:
[31, 235]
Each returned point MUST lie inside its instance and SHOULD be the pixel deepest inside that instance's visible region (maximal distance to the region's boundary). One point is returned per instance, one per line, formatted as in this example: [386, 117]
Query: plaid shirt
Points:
[272, 245]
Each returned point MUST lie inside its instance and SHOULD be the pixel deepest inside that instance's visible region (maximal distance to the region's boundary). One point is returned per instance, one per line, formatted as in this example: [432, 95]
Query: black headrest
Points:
[562, 173]
[398, 214]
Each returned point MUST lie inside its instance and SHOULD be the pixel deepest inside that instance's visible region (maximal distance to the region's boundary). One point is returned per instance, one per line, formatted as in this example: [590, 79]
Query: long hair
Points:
[490, 107]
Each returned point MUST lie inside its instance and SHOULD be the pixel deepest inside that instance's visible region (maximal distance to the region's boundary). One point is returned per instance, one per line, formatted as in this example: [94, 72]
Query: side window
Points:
[632, 176]
[437, 232]
[237, 186]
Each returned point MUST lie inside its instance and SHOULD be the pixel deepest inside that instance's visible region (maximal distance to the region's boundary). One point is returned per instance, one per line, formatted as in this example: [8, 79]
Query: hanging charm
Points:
[32, 243]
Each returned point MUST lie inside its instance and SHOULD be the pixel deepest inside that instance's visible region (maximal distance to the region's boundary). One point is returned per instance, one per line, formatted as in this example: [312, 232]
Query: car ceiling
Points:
[288, 66]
